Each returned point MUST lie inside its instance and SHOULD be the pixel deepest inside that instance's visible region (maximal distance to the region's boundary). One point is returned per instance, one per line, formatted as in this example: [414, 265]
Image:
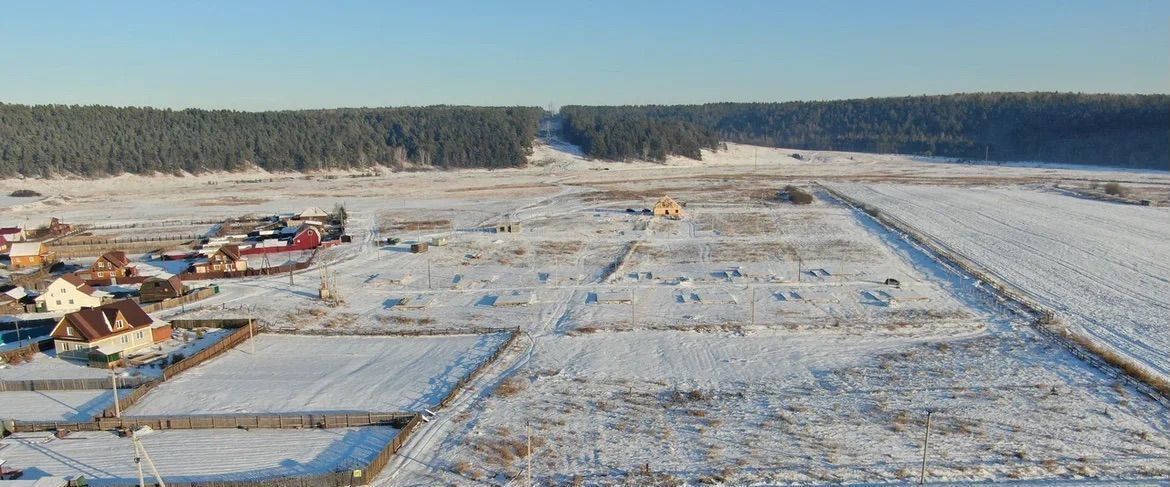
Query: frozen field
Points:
[80, 405]
[317, 374]
[195, 455]
[1104, 267]
[638, 408]
[47, 366]
[752, 342]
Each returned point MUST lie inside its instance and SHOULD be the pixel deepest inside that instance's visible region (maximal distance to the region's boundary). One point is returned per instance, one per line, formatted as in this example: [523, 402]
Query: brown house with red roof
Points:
[110, 331]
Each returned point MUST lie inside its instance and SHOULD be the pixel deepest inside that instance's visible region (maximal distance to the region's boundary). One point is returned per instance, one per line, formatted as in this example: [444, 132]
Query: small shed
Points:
[439, 241]
[509, 228]
[418, 248]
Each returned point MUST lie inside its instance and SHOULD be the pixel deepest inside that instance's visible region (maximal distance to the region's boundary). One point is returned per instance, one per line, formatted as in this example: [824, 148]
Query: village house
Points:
[160, 288]
[9, 235]
[226, 259]
[112, 265]
[103, 335]
[55, 228]
[313, 213]
[668, 207]
[69, 293]
[29, 254]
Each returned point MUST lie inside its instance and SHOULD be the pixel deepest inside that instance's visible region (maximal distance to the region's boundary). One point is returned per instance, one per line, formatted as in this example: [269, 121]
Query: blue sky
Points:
[260, 55]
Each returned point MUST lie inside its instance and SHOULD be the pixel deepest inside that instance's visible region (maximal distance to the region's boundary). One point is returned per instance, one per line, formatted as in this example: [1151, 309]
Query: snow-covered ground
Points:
[195, 455]
[317, 374]
[80, 405]
[779, 358]
[1104, 267]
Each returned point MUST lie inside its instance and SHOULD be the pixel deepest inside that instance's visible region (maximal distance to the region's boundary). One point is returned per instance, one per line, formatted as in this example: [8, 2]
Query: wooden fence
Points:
[204, 293]
[459, 386]
[1103, 357]
[71, 384]
[284, 268]
[11, 355]
[227, 323]
[407, 423]
[236, 337]
[26, 324]
[186, 422]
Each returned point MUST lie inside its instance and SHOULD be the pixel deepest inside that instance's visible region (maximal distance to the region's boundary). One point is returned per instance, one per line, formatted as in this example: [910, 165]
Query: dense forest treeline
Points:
[1114, 130]
[98, 140]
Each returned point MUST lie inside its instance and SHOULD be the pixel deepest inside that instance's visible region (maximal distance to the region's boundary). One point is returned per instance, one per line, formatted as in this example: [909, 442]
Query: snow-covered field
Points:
[195, 455]
[318, 374]
[753, 341]
[1104, 267]
[80, 405]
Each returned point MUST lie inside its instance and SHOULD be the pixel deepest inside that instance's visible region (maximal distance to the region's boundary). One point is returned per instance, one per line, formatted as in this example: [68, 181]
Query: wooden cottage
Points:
[112, 265]
[226, 259]
[668, 207]
[160, 288]
[29, 254]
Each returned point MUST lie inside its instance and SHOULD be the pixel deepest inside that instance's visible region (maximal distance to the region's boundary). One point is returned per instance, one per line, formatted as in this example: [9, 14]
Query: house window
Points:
[118, 324]
[70, 301]
[58, 302]
[139, 335]
[69, 331]
[64, 347]
[125, 339]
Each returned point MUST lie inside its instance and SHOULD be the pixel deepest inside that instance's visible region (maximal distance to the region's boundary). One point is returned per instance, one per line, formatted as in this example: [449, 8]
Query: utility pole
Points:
[251, 336]
[117, 403]
[925, 446]
[633, 309]
[529, 439]
[139, 454]
[428, 272]
[753, 306]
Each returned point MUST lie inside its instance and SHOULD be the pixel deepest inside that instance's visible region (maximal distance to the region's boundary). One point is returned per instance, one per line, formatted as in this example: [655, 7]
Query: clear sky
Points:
[259, 55]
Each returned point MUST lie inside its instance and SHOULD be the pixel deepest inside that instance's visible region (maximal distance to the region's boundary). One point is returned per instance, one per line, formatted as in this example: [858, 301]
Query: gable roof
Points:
[97, 323]
[115, 257]
[231, 251]
[10, 230]
[172, 281]
[313, 212]
[12, 293]
[667, 202]
[25, 249]
[78, 283]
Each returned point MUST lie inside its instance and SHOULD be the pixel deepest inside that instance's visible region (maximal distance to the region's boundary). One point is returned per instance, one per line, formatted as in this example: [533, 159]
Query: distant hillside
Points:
[1113, 130]
[98, 140]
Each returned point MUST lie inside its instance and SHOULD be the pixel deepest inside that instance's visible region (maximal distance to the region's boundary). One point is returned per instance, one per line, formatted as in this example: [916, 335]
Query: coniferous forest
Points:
[1113, 130]
[97, 140]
